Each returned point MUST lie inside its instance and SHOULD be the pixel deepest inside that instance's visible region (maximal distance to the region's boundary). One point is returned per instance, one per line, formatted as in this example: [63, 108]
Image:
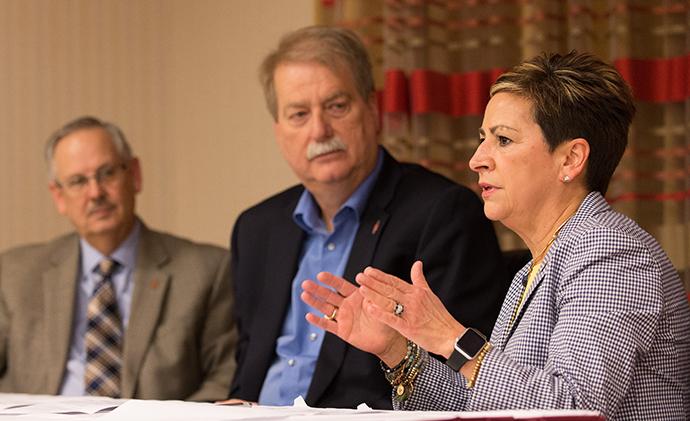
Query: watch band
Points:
[456, 360]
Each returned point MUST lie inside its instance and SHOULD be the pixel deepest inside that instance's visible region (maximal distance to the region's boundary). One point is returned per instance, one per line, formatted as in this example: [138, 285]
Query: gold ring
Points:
[332, 315]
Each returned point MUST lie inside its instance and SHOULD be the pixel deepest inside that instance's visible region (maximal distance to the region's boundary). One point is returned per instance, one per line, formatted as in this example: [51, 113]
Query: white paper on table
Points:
[45, 405]
[179, 410]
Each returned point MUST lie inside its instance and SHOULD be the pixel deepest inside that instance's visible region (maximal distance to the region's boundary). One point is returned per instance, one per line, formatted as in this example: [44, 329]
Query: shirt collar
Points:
[308, 216]
[125, 254]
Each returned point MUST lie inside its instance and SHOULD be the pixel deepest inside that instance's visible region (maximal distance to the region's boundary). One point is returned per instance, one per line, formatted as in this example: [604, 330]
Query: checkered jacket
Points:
[605, 326]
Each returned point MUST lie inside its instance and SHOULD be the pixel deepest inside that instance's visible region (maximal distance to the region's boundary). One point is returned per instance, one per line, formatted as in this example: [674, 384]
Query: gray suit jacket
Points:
[180, 340]
[605, 326]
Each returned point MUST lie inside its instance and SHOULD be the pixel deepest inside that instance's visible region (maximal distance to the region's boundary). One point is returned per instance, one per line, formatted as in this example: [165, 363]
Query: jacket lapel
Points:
[592, 204]
[525, 303]
[59, 289]
[282, 257]
[151, 282]
[372, 224]
[500, 332]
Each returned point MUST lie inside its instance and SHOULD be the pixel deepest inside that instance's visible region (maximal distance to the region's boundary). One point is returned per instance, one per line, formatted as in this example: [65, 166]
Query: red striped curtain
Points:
[435, 60]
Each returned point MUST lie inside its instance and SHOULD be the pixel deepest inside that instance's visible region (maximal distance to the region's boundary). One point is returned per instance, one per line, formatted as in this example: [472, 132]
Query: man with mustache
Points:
[356, 206]
[115, 309]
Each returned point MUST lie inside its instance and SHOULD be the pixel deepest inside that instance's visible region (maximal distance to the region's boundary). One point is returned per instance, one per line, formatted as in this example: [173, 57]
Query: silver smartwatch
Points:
[467, 346]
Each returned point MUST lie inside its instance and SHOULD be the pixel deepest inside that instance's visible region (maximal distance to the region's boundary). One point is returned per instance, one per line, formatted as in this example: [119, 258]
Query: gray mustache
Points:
[316, 149]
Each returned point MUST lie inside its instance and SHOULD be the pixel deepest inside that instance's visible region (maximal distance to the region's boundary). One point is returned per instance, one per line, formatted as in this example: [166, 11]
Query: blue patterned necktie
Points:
[103, 339]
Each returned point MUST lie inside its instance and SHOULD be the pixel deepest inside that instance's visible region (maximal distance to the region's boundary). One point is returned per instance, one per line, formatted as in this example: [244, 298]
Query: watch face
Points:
[470, 343]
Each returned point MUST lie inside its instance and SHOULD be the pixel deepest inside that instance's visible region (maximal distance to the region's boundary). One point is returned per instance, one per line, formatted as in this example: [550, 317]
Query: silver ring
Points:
[332, 315]
[398, 309]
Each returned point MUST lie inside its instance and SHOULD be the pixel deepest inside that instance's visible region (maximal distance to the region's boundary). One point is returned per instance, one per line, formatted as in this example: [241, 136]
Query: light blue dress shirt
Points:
[298, 346]
[126, 256]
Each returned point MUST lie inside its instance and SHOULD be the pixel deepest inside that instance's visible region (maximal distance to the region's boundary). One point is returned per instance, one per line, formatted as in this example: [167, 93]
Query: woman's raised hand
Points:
[344, 316]
[413, 310]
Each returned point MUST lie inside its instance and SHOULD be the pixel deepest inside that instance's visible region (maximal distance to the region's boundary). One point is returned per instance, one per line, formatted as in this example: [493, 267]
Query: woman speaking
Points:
[597, 320]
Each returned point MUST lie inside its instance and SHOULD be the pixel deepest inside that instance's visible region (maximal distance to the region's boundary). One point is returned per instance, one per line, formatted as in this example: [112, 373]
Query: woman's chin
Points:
[493, 212]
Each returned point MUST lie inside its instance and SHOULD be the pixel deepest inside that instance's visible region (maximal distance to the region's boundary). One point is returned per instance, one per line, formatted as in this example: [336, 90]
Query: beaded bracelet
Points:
[395, 378]
[402, 376]
[475, 371]
[405, 388]
[402, 362]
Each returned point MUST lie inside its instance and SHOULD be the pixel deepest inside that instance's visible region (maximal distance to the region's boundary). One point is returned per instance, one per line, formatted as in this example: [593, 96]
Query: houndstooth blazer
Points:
[605, 326]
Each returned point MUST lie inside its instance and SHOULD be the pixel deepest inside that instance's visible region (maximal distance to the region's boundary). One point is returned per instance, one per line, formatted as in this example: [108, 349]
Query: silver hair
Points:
[86, 122]
[338, 49]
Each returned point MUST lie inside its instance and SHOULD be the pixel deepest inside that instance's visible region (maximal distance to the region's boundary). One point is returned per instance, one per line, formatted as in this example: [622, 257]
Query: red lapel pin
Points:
[376, 227]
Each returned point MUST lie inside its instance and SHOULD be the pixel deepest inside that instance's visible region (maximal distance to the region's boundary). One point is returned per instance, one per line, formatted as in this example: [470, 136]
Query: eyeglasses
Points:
[105, 175]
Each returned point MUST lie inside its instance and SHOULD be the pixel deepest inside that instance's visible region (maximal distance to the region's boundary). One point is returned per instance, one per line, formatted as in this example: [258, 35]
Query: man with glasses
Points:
[115, 309]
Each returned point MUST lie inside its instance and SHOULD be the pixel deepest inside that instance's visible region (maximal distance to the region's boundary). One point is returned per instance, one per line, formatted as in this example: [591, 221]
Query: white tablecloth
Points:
[41, 407]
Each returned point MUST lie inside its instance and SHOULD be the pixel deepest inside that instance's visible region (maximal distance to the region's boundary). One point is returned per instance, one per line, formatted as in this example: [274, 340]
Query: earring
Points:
[566, 178]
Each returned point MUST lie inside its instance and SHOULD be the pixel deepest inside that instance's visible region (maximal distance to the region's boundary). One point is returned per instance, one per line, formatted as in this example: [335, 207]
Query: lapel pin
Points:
[376, 227]
[154, 283]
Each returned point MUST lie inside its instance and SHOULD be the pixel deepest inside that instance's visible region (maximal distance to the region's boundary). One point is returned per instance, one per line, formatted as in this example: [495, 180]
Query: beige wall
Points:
[179, 77]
